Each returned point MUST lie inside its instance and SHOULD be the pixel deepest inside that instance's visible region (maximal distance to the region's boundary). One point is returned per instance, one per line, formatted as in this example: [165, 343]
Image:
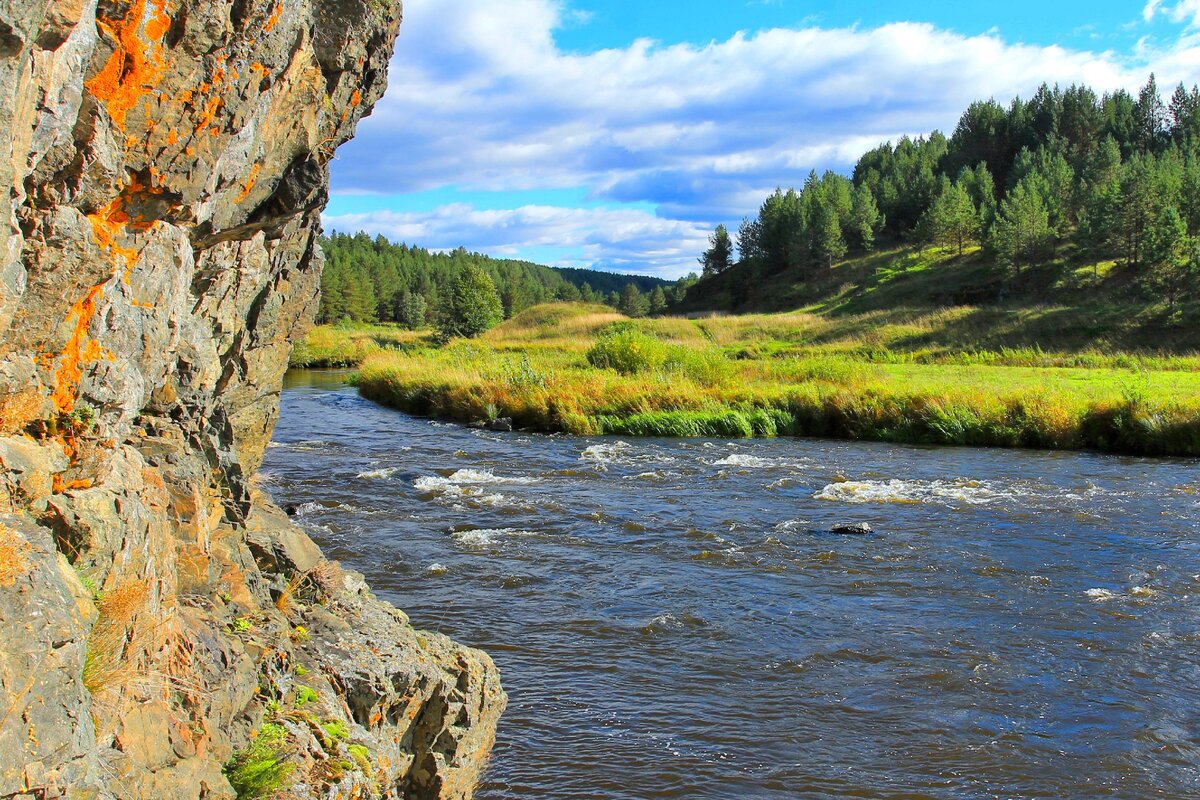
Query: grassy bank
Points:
[888, 376]
[335, 346]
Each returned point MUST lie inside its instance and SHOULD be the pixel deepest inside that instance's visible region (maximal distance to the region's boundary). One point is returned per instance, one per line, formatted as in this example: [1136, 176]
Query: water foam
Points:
[378, 474]
[486, 537]
[974, 493]
[433, 484]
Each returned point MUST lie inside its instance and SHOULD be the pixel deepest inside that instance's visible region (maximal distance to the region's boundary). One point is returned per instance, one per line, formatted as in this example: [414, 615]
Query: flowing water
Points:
[672, 621]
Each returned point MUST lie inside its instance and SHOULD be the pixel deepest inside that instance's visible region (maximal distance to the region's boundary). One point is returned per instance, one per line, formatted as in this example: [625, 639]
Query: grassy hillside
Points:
[876, 375]
[967, 302]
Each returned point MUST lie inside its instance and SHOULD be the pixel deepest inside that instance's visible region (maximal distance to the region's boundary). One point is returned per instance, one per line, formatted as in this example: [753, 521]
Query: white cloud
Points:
[623, 240]
[481, 97]
[1184, 11]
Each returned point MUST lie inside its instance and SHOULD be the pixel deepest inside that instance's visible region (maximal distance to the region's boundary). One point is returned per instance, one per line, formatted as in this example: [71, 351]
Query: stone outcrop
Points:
[164, 630]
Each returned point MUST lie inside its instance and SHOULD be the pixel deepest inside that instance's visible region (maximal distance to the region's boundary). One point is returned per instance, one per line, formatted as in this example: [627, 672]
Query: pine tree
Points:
[719, 256]
[865, 220]
[953, 219]
[1172, 257]
[828, 245]
[472, 306]
[1021, 234]
[658, 300]
[632, 302]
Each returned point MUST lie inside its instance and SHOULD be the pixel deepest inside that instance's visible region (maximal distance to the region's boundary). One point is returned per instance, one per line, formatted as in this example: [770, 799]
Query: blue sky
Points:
[616, 134]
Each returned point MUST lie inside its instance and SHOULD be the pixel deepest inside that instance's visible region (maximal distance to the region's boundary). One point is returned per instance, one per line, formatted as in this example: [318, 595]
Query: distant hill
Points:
[370, 279]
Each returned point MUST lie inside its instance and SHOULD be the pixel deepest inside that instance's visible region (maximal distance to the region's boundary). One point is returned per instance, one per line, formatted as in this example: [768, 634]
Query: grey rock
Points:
[503, 425]
[166, 164]
[852, 529]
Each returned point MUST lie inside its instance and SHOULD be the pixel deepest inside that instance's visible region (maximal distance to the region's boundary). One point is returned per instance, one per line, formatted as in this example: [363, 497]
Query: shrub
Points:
[628, 351]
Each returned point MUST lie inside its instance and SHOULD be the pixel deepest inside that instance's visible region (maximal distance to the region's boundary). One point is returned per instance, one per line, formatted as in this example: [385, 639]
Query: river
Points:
[672, 620]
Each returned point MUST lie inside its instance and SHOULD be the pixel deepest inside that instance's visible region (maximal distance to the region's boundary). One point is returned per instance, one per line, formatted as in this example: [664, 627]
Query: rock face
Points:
[164, 630]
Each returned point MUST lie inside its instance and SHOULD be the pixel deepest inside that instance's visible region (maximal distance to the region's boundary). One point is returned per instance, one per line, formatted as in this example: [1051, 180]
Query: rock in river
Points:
[852, 529]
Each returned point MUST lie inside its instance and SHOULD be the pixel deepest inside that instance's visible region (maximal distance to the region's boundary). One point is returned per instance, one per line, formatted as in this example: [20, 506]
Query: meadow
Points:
[895, 376]
[336, 346]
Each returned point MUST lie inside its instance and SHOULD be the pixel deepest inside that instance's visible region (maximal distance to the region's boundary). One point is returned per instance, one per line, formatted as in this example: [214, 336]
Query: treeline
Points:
[370, 279]
[1114, 177]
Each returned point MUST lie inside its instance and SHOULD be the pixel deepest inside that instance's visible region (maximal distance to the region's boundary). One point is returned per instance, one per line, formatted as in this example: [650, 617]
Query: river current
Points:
[672, 619]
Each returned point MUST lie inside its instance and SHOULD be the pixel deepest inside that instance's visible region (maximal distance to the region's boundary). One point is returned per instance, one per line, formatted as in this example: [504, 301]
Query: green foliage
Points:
[953, 220]
[719, 256]
[242, 625]
[335, 730]
[628, 350]
[370, 279]
[633, 303]
[472, 305]
[1021, 235]
[263, 769]
[306, 695]
[890, 378]
[1064, 179]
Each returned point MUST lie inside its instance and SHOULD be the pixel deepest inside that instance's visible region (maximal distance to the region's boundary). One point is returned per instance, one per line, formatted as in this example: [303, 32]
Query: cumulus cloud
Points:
[482, 98]
[1184, 11]
[620, 240]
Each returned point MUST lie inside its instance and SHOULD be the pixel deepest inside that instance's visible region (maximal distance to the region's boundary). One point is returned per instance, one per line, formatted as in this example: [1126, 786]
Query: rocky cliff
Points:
[164, 630]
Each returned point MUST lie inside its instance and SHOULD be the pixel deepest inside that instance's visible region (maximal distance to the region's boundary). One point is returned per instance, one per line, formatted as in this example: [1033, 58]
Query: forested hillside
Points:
[1068, 192]
[372, 280]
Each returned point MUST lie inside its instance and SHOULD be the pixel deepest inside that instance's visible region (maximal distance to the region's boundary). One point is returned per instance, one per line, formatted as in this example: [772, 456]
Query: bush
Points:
[629, 351]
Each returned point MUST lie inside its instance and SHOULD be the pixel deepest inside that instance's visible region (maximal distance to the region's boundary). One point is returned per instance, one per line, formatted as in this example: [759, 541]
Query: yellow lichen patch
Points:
[250, 181]
[13, 551]
[138, 63]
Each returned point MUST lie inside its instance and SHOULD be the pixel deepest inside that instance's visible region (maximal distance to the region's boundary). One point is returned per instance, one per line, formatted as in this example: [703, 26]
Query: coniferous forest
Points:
[1069, 176]
[373, 280]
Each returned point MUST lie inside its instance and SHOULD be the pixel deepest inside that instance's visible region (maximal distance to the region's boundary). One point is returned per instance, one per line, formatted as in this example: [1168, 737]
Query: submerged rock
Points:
[166, 165]
[852, 529]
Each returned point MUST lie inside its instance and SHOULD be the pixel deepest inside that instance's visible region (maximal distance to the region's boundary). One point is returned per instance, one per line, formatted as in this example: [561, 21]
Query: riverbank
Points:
[586, 370]
[340, 346]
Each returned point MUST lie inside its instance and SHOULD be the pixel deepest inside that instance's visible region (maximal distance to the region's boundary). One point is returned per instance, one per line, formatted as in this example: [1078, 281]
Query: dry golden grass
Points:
[13, 551]
[18, 410]
[110, 663]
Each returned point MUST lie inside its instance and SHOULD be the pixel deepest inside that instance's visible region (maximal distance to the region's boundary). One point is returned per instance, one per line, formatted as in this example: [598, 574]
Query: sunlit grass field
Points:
[333, 346]
[876, 376]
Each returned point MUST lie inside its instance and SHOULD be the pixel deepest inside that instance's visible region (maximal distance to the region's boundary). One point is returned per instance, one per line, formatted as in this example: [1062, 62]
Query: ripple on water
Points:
[910, 492]
[680, 619]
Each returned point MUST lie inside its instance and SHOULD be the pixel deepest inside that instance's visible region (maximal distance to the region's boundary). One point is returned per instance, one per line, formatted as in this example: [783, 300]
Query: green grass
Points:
[1066, 304]
[334, 346]
[263, 769]
[889, 376]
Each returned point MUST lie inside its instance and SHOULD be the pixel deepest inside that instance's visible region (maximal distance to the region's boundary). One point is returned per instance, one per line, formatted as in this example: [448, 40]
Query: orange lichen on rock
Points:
[356, 99]
[138, 63]
[273, 20]
[61, 486]
[78, 351]
[210, 113]
[249, 187]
